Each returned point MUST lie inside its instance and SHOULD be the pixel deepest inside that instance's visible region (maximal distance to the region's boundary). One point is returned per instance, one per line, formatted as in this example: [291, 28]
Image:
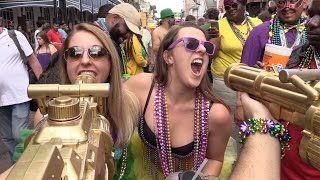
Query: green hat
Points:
[166, 13]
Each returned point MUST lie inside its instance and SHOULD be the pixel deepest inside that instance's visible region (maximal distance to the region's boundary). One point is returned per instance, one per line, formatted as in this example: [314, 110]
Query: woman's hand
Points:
[250, 108]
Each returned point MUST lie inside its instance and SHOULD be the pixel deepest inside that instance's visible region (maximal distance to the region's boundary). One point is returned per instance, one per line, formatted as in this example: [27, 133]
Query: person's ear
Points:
[167, 57]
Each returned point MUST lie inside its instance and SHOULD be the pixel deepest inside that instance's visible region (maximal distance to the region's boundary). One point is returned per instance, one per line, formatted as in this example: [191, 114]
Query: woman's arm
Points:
[220, 125]
[52, 49]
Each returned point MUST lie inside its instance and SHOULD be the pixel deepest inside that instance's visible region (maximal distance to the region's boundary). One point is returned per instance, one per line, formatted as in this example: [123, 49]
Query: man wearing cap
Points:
[125, 18]
[167, 21]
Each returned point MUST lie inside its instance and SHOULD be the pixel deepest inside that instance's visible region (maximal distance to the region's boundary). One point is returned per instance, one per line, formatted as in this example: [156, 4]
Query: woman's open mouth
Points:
[196, 66]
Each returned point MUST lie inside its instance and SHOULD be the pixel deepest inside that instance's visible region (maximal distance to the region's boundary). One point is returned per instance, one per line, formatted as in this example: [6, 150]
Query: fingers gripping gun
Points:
[73, 141]
[292, 95]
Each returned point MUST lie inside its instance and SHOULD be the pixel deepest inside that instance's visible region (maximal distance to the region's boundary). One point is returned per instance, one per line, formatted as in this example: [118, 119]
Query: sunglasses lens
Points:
[281, 4]
[234, 6]
[73, 53]
[209, 47]
[191, 44]
[97, 52]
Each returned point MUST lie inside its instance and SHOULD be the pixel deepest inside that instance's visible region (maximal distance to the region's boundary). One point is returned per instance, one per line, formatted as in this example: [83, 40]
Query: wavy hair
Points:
[161, 67]
[121, 108]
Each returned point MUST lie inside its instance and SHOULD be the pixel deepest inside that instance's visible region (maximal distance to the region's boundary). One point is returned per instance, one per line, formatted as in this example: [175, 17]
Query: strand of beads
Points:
[161, 130]
[264, 126]
[276, 26]
[306, 60]
[238, 33]
[204, 130]
[161, 116]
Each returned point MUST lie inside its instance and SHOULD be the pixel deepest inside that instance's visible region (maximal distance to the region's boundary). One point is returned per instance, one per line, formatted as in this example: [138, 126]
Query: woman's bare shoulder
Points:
[219, 114]
[138, 83]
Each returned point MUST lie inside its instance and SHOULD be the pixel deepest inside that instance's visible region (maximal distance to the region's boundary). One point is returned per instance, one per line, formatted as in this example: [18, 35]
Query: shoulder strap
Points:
[148, 98]
[13, 36]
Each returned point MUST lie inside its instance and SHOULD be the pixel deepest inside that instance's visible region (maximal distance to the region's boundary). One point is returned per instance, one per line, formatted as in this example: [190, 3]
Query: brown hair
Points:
[121, 110]
[43, 35]
[161, 67]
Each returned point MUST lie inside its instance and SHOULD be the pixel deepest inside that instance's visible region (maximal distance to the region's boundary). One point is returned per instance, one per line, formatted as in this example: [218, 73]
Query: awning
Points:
[87, 5]
[26, 3]
[73, 3]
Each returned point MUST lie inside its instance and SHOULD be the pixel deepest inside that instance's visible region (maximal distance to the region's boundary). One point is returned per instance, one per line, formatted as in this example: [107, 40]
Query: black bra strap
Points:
[148, 98]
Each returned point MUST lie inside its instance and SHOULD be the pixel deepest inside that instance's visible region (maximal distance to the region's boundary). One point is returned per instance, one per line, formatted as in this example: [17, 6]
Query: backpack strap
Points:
[13, 36]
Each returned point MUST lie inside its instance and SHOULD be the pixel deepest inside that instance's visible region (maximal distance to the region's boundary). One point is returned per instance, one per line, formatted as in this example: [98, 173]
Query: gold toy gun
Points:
[73, 141]
[291, 95]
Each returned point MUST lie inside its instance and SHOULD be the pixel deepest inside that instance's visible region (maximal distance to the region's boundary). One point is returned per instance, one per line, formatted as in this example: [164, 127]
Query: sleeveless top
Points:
[44, 58]
[149, 138]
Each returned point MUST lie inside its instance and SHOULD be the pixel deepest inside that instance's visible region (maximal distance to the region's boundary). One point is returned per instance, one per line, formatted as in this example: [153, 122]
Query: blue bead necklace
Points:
[276, 26]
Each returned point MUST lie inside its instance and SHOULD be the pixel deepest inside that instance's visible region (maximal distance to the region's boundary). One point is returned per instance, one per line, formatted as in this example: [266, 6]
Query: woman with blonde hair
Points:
[95, 54]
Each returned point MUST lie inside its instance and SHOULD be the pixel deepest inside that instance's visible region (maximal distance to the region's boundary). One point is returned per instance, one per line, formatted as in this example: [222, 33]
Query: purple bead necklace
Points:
[200, 132]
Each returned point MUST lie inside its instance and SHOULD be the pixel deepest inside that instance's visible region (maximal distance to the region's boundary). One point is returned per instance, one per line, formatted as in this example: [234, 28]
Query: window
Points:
[7, 15]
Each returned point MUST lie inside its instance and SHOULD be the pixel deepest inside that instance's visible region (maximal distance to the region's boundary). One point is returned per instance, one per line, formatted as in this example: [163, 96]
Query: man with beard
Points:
[287, 30]
[167, 21]
[125, 18]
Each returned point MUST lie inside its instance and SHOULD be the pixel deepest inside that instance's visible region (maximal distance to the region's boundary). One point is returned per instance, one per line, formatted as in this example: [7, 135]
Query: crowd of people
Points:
[175, 116]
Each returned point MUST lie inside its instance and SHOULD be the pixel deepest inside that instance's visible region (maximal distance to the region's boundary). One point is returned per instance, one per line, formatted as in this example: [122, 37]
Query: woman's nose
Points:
[85, 58]
[201, 48]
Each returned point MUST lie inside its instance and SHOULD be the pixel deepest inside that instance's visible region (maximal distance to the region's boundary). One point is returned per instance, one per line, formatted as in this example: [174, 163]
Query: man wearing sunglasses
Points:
[287, 29]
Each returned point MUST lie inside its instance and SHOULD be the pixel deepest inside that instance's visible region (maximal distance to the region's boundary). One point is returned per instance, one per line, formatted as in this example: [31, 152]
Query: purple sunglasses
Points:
[292, 4]
[192, 44]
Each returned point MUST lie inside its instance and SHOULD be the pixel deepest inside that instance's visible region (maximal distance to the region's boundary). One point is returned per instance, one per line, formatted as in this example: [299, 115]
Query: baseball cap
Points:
[130, 15]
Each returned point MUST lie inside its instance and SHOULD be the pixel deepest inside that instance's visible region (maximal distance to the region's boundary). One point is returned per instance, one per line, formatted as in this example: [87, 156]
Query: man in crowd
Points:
[105, 20]
[40, 24]
[14, 81]
[55, 36]
[63, 30]
[167, 21]
[147, 43]
[267, 14]
[212, 14]
[125, 18]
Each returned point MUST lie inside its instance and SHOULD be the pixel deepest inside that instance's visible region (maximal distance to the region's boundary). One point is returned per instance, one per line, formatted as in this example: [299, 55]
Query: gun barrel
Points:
[36, 91]
[304, 74]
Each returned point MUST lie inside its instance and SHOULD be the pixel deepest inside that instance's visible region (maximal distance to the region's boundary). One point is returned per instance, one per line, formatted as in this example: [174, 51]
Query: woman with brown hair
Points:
[44, 50]
[182, 121]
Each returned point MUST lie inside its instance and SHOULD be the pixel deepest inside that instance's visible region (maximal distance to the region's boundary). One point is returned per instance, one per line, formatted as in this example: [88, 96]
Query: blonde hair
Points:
[121, 106]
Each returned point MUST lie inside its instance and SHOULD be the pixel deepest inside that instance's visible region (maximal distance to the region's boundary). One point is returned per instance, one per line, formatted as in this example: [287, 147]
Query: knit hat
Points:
[130, 15]
[166, 13]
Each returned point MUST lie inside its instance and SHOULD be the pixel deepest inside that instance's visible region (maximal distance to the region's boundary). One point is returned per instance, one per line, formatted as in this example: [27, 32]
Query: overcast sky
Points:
[175, 5]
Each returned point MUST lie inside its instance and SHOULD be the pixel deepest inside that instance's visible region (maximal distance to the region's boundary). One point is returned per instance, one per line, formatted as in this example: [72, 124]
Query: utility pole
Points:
[81, 15]
[55, 10]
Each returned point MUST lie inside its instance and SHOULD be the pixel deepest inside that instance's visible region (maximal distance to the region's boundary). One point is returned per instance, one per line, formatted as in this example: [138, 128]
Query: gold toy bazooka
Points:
[291, 95]
[73, 141]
